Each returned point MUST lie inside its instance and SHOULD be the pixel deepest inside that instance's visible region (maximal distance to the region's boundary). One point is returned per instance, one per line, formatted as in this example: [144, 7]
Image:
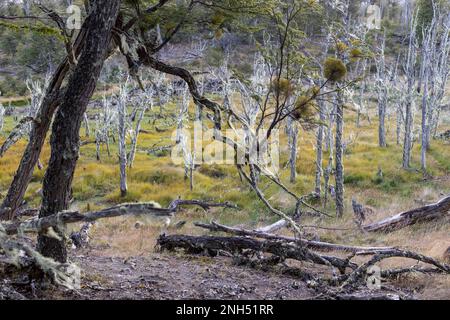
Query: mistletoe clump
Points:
[334, 69]
[281, 87]
[305, 108]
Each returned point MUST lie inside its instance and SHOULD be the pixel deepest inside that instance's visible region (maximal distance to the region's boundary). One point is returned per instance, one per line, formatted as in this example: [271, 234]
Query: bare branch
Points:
[67, 217]
[318, 245]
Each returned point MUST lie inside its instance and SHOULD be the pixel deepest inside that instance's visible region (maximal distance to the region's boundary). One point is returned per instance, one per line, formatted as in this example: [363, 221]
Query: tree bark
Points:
[410, 74]
[424, 126]
[339, 156]
[382, 119]
[407, 144]
[122, 130]
[319, 150]
[382, 95]
[66, 127]
[137, 131]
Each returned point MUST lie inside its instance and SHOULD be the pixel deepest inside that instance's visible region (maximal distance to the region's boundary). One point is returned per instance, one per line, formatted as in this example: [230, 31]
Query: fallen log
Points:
[291, 250]
[233, 245]
[67, 217]
[407, 218]
[317, 245]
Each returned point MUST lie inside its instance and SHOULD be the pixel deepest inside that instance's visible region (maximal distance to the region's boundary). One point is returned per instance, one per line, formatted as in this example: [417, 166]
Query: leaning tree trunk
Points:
[66, 127]
[339, 155]
[19, 185]
[39, 129]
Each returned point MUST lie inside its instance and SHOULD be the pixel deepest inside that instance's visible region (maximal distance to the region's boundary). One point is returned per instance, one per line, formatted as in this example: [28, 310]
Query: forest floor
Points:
[169, 276]
[177, 277]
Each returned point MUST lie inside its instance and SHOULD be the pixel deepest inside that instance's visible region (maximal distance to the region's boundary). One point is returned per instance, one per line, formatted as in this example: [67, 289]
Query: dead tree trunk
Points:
[282, 249]
[329, 170]
[398, 120]
[407, 218]
[319, 150]
[381, 85]
[410, 74]
[122, 126]
[316, 245]
[145, 103]
[339, 156]
[135, 139]
[86, 125]
[66, 127]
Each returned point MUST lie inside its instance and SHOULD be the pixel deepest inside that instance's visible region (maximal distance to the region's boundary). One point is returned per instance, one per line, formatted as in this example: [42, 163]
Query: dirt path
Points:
[166, 276]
